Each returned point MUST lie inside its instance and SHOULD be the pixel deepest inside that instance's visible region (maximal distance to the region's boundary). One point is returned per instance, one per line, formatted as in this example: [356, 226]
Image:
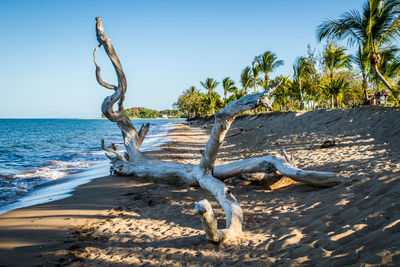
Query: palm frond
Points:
[245, 78]
[268, 62]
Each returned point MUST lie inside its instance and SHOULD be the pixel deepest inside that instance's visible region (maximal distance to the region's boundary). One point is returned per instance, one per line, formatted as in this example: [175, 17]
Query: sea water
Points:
[59, 153]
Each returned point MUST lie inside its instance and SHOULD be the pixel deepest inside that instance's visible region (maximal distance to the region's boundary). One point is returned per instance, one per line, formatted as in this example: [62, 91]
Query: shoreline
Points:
[38, 234]
[57, 189]
[64, 187]
[126, 221]
[43, 233]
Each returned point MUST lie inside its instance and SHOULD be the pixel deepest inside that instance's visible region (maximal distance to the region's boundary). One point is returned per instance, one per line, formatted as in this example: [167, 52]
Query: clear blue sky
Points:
[165, 46]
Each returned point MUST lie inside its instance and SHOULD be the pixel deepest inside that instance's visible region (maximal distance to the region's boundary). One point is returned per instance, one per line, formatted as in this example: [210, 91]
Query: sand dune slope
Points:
[354, 223]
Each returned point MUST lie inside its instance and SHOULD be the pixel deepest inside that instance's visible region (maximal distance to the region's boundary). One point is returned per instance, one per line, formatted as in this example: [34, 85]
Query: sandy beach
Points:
[128, 221]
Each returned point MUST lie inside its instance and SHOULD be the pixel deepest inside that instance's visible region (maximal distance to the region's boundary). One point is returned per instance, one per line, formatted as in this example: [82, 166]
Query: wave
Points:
[13, 186]
[53, 167]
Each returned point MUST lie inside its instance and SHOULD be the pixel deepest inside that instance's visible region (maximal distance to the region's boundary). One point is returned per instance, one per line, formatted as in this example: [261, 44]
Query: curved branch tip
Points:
[112, 150]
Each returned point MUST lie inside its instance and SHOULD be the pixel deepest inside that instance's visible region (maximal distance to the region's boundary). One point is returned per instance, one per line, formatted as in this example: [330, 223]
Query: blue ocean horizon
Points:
[36, 152]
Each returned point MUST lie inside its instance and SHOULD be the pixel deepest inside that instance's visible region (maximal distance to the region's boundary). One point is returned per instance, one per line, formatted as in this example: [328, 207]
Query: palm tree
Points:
[229, 86]
[390, 66]
[267, 63]
[281, 95]
[246, 79]
[236, 94]
[335, 58]
[210, 85]
[374, 28]
[334, 87]
[362, 63]
[192, 90]
[255, 72]
[302, 68]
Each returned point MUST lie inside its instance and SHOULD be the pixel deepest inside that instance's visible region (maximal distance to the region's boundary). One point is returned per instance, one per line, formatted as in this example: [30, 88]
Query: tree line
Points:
[146, 113]
[327, 79]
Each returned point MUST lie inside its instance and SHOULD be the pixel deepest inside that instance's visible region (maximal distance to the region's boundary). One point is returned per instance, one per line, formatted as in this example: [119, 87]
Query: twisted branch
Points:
[233, 212]
[270, 164]
[129, 133]
[112, 150]
[98, 76]
[143, 132]
[224, 119]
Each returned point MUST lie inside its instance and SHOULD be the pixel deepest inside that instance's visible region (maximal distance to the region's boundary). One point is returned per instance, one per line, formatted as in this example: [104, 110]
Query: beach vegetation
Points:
[334, 59]
[339, 76]
[255, 71]
[209, 85]
[374, 29]
[229, 87]
[303, 70]
[189, 102]
[267, 63]
[146, 113]
[246, 79]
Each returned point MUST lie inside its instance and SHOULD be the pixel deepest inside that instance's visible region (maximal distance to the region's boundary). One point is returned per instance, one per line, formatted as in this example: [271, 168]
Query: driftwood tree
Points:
[206, 175]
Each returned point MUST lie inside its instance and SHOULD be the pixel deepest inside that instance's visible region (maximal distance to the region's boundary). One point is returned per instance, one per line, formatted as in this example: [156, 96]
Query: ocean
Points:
[39, 157]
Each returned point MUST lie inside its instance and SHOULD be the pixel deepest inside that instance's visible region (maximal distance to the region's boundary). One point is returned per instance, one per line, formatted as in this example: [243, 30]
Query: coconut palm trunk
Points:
[225, 96]
[364, 87]
[375, 60]
[301, 95]
[332, 93]
[210, 85]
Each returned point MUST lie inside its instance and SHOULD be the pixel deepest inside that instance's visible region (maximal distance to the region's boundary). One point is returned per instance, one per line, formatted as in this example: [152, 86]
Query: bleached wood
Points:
[224, 119]
[209, 221]
[110, 150]
[270, 164]
[167, 171]
[98, 76]
[283, 153]
[129, 133]
[232, 209]
[143, 132]
[134, 163]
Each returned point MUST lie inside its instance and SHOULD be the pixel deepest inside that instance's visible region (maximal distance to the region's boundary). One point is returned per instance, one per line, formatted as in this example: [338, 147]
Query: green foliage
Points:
[189, 103]
[246, 80]
[145, 113]
[320, 80]
[210, 84]
[140, 112]
[389, 67]
[372, 29]
[335, 58]
[255, 71]
[282, 95]
[236, 94]
[267, 63]
[173, 113]
[352, 94]
[334, 87]
[303, 68]
[229, 87]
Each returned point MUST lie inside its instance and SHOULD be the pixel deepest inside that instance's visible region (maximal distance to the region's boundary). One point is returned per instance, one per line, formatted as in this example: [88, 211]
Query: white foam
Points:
[20, 184]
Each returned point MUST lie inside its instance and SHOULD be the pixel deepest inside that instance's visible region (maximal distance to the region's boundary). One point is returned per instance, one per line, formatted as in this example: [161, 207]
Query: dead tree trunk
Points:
[206, 175]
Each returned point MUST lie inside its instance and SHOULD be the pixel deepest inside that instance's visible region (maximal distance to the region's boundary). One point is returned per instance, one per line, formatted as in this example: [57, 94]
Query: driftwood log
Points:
[206, 174]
